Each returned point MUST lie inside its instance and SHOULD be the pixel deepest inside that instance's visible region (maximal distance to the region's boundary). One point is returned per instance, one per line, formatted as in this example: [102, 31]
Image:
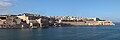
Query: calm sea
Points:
[63, 33]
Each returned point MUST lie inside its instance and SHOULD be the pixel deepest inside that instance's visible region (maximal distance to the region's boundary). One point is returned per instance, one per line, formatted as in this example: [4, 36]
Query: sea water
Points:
[63, 33]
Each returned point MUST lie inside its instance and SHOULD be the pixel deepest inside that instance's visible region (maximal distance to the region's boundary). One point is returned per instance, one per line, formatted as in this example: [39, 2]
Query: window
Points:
[31, 18]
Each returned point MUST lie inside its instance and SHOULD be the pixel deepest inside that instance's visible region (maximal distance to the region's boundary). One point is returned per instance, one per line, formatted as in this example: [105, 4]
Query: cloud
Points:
[5, 3]
[5, 0]
[4, 6]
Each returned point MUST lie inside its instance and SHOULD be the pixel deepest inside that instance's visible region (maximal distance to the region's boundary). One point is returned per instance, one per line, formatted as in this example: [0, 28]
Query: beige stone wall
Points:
[92, 23]
[22, 17]
[107, 22]
[75, 23]
[1, 22]
[89, 23]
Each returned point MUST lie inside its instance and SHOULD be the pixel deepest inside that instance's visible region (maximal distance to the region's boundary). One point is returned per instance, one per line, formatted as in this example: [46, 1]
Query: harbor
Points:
[27, 20]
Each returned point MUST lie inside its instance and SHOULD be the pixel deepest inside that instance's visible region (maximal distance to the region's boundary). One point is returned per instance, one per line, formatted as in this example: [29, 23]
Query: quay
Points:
[27, 20]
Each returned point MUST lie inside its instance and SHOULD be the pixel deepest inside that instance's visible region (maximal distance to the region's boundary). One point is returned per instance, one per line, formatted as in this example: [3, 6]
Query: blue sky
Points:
[104, 9]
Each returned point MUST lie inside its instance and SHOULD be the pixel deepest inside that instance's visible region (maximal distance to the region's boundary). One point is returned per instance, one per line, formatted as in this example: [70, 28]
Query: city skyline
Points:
[105, 9]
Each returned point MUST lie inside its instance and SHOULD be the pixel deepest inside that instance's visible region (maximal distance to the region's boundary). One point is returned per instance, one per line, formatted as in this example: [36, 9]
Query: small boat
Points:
[34, 27]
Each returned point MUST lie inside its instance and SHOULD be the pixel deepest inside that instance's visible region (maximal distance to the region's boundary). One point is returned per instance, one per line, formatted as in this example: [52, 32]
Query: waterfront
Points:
[27, 20]
[63, 33]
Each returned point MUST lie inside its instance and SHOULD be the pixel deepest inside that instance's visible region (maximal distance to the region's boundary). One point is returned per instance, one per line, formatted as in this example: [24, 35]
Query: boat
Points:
[34, 27]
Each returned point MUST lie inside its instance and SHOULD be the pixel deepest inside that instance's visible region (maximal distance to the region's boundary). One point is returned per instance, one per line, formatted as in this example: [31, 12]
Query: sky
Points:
[104, 9]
